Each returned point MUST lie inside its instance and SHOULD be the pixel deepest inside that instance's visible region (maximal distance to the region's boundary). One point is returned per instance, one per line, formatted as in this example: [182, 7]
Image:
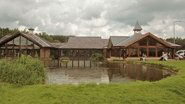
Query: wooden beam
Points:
[78, 59]
[34, 50]
[26, 46]
[128, 52]
[173, 56]
[147, 44]
[19, 46]
[156, 52]
[84, 57]
[13, 48]
[73, 59]
[138, 53]
[147, 51]
[6, 51]
[0, 52]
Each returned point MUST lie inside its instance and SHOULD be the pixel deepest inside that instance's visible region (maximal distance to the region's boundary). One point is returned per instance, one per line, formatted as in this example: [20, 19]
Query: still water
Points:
[109, 73]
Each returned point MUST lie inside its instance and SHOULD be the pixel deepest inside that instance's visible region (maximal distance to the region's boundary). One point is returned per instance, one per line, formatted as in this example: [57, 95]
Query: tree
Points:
[178, 41]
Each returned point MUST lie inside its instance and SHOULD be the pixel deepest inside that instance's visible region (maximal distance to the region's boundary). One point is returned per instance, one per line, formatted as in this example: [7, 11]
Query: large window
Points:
[143, 42]
[20, 45]
[143, 51]
[152, 52]
[133, 52]
[160, 51]
[151, 42]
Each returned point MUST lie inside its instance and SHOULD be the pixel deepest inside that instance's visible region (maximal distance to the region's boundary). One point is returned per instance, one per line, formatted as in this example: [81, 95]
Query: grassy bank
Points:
[170, 90]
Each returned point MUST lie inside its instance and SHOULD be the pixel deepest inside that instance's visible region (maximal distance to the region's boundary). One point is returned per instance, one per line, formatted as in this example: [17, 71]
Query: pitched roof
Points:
[117, 39]
[85, 43]
[4, 38]
[57, 45]
[136, 38]
[32, 37]
[174, 45]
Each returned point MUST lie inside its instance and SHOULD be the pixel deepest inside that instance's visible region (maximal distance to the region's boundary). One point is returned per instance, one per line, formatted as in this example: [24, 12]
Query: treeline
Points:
[178, 41]
[61, 38]
[6, 31]
[54, 38]
[44, 35]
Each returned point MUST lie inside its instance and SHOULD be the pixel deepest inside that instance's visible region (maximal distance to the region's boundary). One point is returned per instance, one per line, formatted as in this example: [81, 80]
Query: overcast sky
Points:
[94, 17]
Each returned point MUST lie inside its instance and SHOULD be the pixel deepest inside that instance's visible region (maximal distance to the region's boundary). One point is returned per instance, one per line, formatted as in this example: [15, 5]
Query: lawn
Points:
[167, 91]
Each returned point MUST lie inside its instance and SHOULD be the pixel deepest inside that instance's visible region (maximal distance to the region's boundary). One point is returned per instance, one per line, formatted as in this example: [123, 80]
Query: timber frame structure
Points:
[82, 48]
[148, 44]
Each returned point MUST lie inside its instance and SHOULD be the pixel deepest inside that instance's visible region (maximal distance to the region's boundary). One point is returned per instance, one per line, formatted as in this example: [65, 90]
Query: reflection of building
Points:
[83, 47]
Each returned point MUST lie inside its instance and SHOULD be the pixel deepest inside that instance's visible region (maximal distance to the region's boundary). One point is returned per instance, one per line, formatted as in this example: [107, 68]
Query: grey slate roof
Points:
[138, 37]
[32, 37]
[4, 38]
[39, 40]
[117, 39]
[85, 43]
[174, 45]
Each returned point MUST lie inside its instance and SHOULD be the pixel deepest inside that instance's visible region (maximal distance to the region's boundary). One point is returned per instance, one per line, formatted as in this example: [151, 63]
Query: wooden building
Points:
[14, 45]
[139, 44]
[84, 47]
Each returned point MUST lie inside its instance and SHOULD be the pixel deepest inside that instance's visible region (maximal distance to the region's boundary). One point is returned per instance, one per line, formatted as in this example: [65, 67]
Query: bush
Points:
[97, 57]
[22, 71]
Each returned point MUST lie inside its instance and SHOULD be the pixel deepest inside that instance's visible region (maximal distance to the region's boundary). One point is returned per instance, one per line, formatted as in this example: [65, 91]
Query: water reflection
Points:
[110, 73]
[137, 72]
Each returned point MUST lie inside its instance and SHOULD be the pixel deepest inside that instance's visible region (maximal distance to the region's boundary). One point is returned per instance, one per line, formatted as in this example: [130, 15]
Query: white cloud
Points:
[94, 17]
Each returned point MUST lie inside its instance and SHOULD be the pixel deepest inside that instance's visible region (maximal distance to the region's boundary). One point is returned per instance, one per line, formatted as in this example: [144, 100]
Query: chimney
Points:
[31, 30]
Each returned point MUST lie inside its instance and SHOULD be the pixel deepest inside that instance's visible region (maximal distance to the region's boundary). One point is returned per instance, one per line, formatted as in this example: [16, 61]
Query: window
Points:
[143, 51]
[133, 52]
[152, 42]
[143, 42]
[152, 52]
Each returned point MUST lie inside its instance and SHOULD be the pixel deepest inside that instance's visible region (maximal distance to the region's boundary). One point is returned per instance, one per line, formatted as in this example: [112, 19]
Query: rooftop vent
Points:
[31, 30]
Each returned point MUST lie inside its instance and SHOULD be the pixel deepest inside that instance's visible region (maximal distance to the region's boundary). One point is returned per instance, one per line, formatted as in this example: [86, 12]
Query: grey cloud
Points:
[92, 17]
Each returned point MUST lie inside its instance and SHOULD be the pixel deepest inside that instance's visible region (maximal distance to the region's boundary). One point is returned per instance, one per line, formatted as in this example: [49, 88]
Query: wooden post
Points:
[147, 52]
[26, 46]
[120, 53]
[90, 54]
[73, 59]
[128, 52]
[6, 50]
[156, 52]
[13, 48]
[173, 56]
[34, 52]
[138, 53]
[59, 56]
[90, 63]
[110, 53]
[20, 46]
[0, 51]
[78, 59]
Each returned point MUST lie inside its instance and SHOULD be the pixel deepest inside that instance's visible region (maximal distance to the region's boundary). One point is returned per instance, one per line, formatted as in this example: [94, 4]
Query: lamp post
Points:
[174, 32]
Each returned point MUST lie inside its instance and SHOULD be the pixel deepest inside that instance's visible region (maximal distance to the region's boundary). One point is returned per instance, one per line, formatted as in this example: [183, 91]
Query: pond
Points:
[109, 73]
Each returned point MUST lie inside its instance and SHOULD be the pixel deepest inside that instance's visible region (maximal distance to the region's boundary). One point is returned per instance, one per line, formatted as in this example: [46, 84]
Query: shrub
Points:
[97, 57]
[22, 71]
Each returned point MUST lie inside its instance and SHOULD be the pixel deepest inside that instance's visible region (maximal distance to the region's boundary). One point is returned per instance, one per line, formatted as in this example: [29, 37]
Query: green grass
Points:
[167, 91]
